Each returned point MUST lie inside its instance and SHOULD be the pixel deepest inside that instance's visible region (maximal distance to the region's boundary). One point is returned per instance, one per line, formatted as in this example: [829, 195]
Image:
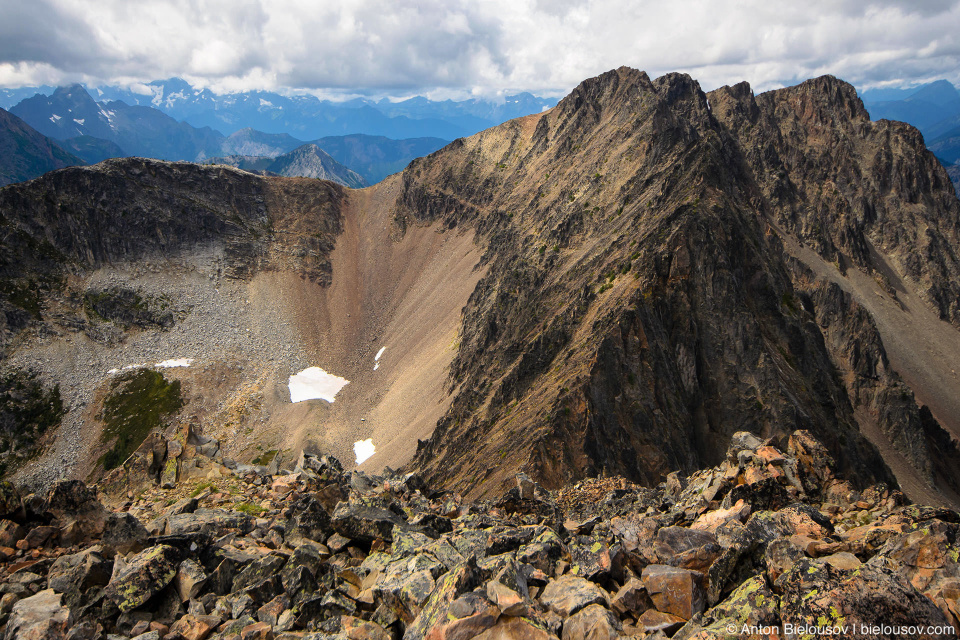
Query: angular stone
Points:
[190, 579]
[466, 627]
[509, 628]
[10, 533]
[674, 590]
[271, 612]
[146, 575]
[569, 594]
[215, 522]
[80, 571]
[507, 600]
[259, 570]
[39, 617]
[357, 629]
[449, 588]
[364, 523]
[73, 500]
[192, 627]
[123, 533]
[592, 623]
[631, 598]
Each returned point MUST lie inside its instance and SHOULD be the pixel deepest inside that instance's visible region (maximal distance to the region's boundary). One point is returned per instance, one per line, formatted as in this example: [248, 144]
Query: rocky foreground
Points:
[768, 544]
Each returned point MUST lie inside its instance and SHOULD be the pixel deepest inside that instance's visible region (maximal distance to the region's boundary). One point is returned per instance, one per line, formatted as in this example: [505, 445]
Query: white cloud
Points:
[450, 46]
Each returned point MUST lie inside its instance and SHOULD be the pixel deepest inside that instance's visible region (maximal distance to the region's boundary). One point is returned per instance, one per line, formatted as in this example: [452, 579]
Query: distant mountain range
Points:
[175, 122]
[307, 117]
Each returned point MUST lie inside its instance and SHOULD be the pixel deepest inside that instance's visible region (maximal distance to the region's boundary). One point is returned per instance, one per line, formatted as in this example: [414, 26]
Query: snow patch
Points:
[80, 121]
[176, 362]
[376, 358]
[265, 103]
[364, 449]
[54, 118]
[314, 383]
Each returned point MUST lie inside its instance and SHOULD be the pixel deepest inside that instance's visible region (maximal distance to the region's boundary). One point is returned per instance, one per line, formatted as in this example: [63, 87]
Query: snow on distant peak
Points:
[80, 121]
[376, 358]
[55, 118]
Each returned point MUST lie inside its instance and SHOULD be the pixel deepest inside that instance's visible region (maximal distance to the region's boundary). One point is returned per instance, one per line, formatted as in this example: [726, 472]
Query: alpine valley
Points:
[650, 362]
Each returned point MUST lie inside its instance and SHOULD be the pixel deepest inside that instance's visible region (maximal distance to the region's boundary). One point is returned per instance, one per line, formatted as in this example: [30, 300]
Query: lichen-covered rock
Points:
[450, 587]
[813, 592]
[145, 575]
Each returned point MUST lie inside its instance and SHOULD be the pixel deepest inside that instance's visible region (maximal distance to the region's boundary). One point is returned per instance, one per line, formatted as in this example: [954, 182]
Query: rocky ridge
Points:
[770, 541]
[641, 302]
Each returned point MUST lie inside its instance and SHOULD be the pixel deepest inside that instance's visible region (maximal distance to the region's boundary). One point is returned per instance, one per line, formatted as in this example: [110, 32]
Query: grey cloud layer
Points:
[459, 45]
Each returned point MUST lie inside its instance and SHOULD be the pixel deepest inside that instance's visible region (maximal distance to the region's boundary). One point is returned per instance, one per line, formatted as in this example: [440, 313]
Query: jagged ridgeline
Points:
[615, 285]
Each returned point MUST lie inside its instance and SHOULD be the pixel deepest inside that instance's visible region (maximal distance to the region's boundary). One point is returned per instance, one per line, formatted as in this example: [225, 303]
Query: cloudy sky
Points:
[458, 47]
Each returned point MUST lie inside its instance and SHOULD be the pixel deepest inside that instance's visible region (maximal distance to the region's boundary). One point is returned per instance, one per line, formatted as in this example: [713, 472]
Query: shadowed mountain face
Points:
[617, 284]
[25, 153]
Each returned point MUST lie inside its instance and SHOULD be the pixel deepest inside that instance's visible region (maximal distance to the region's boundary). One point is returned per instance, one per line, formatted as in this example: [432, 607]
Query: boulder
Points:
[675, 590]
[123, 533]
[78, 572]
[144, 576]
[569, 594]
[450, 587]
[190, 579]
[39, 617]
[72, 501]
[593, 622]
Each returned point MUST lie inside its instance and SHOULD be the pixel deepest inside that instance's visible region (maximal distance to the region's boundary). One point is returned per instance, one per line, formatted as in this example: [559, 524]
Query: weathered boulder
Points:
[39, 617]
[72, 502]
[450, 587]
[79, 571]
[144, 576]
[674, 590]
[569, 594]
[215, 522]
[814, 591]
[123, 533]
[593, 622]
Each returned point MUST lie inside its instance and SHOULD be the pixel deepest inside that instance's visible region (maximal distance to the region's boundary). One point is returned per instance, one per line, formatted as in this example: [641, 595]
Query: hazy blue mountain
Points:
[376, 157]
[138, 130]
[92, 150]
[932, 108]
[25, 153]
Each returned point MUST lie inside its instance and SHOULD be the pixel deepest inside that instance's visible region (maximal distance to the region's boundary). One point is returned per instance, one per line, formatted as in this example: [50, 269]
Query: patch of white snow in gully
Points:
[376, 358]
[313, 383]
[176, 362]
[364, 449]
